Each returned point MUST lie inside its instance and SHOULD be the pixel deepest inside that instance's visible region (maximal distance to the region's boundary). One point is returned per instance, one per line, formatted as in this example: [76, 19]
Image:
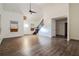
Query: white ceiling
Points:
[21, 7]
[24, 7]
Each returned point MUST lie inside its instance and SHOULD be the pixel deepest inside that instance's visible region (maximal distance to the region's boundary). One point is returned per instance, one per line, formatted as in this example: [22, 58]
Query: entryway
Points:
[61, 27]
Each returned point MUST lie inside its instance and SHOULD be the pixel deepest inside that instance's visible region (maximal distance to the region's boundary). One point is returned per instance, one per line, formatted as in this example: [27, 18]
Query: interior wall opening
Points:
[61, 27]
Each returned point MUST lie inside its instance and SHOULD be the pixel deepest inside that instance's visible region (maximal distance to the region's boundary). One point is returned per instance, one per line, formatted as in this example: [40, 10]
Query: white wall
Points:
[16, 12]
[74, 21]
[56, 10]
[7, 16]
[1, 11]
[0, 24]
[48, 12]
[13, 12]
[52, 11]
[32, 19]
[1, 8]
[53, 27]
[60, 27]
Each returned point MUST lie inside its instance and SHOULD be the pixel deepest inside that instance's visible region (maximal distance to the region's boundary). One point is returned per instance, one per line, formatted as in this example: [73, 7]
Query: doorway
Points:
[61, 27]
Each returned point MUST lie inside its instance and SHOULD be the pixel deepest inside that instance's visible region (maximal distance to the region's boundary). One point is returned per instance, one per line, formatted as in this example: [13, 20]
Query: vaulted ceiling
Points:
[24, 7]
[53, 9]
[21, 7]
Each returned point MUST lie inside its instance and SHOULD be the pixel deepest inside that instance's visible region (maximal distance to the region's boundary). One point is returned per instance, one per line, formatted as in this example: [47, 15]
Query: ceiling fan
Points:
[30, 9]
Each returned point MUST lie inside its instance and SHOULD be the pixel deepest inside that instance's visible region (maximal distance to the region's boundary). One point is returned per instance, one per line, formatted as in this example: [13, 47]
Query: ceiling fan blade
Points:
[33, 11]
[30, 11]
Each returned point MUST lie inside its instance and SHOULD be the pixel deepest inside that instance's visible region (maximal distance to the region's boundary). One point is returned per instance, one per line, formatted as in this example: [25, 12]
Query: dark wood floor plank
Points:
[33, 45]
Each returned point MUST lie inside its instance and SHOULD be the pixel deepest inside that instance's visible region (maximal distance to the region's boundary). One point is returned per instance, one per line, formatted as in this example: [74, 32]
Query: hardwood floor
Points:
[33, 45]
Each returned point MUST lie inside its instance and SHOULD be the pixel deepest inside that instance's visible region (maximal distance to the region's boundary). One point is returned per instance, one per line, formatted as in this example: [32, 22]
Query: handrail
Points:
[41, 23]
[39, 27]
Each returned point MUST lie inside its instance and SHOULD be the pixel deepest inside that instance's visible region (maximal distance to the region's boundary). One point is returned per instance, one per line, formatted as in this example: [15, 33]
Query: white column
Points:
[1, 39]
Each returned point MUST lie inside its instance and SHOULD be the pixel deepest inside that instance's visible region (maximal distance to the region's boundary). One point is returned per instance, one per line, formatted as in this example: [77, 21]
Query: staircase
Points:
[38, 27]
